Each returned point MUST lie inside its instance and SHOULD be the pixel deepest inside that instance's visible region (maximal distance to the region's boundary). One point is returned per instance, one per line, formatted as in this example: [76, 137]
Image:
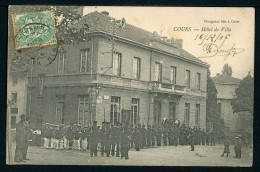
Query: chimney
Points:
[105, 13]
[164, 38]
[179, 42]
[155, 34]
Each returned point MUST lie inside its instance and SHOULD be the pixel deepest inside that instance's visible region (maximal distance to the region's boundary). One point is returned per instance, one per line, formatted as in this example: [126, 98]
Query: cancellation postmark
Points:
[34, 29]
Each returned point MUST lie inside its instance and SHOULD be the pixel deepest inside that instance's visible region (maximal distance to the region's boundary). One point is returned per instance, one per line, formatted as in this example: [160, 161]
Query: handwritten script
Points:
[212, 50]
[213, 44]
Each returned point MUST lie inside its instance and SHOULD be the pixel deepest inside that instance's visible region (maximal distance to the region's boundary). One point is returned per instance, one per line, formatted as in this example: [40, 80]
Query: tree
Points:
[227, 70]
[244, 95]
[212, 110]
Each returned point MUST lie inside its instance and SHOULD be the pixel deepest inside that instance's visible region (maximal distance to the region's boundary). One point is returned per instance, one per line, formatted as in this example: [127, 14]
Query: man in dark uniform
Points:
[175, 135]
[137, 138]
[191, 139]
[117, 140]
[113, 139]
[143, 131]
[148, 137]
[70, 135]
[20, 139]
[153, 135]
[27, 134]
[58, 137]
[170, 136]
[200, 137]
[212, 138]
[102, 139]
[159, 136]
[93, 139]
[125, 143]
[203, 137]
[108, 140]
[186, 134]
[181, 136]
[165, 135]
[207, 138]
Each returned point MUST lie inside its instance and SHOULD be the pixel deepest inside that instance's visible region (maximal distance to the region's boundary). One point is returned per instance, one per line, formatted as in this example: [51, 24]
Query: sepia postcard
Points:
[130, 86]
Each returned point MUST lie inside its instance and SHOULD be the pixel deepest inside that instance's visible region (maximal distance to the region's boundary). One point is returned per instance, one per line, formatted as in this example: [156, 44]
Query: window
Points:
[220, 107]
[173, 75]
[84, 61]
[198, 81]
[117, 57]
[136, 67]
[134, 118]
[115, 110]
[61, 62]
[157, 112]
[172, 111]
[14, 98]
[60, 109]
[36, 61]
[187, 114]
[13, 121]
[187, 79]
[197, 115]
[15, 79]
[158, 71]
[14, 110]
[83, 110]
[41, 82]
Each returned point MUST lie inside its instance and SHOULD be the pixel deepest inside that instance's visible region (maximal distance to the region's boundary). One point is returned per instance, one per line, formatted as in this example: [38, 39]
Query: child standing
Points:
[226, 147]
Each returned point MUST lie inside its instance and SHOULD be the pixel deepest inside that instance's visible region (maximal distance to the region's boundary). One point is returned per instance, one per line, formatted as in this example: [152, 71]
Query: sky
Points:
[163, 20]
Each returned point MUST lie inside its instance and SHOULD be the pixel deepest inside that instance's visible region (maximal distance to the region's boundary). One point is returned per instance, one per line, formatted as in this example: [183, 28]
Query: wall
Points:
[193, 101]
[182, 66]
[21, 90]
[126, 101]
[128, 53]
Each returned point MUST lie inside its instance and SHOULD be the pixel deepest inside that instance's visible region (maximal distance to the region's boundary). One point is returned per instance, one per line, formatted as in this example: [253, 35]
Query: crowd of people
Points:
[118, 139]
[115, 140]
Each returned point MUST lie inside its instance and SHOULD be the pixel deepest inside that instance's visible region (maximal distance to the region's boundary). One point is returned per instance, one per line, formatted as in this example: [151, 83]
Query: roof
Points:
[102, 23]
[225, 79]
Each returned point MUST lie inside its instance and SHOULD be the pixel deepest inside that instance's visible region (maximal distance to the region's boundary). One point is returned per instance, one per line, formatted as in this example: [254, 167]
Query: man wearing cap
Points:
[70, 136]
[27, 134]
[93, 139]
[20, 139]
[125, 143]
[238, 147]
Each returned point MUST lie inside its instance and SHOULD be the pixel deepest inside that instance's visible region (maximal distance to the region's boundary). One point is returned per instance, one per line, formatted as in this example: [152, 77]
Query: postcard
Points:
[130, 86]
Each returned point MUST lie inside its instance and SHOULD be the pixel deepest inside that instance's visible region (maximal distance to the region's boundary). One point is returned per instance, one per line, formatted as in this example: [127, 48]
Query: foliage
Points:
[244, 100]
[227, 70]
[67, 16]
[212, 110]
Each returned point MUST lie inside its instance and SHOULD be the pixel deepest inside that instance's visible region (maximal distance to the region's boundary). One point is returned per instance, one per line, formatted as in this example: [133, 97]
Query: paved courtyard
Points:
[160, 156]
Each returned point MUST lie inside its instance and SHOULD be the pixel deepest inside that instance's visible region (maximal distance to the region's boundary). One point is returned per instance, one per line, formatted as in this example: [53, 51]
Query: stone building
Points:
[226, 86]
[119, 73]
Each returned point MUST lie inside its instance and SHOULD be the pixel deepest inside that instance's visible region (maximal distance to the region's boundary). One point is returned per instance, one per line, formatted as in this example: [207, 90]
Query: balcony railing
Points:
[85, 79]
[82, 79]
[166, 87]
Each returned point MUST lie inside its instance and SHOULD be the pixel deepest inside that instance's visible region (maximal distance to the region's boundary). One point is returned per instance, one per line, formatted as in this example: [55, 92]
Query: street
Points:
[160, 156]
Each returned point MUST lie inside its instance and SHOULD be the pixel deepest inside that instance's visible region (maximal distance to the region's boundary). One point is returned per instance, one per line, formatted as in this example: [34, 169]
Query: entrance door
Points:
[172, 111]
[59, 113]
[126, 116]
[157, 112]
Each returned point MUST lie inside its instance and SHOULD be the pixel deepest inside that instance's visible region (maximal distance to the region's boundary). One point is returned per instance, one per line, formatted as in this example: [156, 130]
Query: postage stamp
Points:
[34, 29]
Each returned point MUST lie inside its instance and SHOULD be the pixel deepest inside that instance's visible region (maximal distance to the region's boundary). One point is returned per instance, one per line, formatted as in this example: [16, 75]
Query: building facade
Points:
[16, 99]
[226, 86]
[118, 73]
